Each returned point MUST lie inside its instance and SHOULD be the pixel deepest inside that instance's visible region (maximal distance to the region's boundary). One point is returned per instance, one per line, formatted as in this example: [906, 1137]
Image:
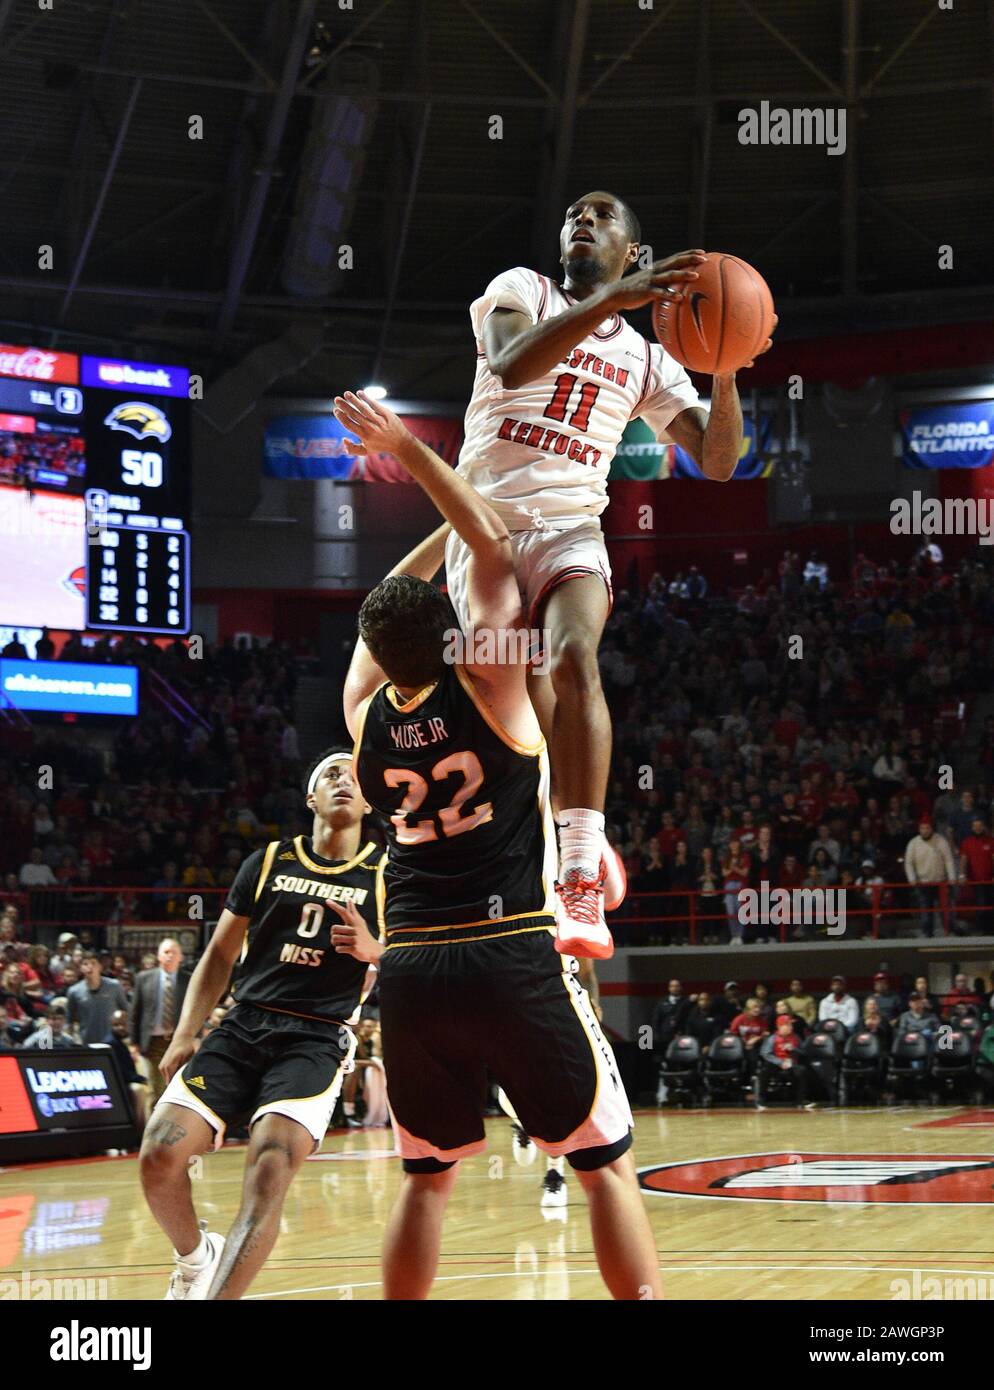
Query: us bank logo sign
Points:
[914, 1179]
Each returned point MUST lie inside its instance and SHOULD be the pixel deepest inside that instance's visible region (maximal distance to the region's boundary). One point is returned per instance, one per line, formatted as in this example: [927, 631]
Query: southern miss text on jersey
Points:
[288, 962]
[471, 841]
[545, 448]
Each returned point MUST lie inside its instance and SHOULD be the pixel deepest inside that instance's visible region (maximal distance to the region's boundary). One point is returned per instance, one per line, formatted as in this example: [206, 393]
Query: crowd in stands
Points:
[169, 806]
[78, 996]
[809, 734]
[806, 733]
[774, 1031]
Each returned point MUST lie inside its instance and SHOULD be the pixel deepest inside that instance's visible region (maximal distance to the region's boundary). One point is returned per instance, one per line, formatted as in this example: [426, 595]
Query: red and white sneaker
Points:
[580, 926]
[615, 878]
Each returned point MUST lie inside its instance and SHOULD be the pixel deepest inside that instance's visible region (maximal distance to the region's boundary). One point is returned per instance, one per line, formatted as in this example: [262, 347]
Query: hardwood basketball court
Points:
[904, 1186]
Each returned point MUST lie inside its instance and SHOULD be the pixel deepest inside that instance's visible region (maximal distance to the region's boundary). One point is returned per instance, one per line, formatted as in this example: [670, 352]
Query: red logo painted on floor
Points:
[966, 1119]
[828, 1177]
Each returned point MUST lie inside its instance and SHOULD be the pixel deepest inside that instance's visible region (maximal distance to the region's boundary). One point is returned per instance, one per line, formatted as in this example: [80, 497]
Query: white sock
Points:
[199, 1255]
[349, 1107]
[581, 840]
[556, 1165]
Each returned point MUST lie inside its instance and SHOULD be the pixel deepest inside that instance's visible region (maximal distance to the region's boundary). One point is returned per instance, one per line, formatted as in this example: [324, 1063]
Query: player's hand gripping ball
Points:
[721, 321]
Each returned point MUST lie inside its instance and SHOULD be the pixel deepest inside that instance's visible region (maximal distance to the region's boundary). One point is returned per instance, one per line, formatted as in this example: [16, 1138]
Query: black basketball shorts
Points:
[512, 1007]
[259, 1062]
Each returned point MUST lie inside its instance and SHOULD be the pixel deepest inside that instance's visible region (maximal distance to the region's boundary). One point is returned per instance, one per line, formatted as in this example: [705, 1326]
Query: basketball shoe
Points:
[191, 1282]
[580, 926]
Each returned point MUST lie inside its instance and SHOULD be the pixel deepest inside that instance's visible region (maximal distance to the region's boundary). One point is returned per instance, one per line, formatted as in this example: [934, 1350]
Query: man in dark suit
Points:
[155, 1009]
[668, 1018]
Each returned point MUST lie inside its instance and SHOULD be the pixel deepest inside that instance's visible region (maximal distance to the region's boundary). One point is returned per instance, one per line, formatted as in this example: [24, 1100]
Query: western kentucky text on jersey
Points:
[544, 449]
[590, 362]
[547, 441]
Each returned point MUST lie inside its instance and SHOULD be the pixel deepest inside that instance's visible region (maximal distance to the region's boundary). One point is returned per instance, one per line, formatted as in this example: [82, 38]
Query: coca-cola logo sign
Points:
[38, 364]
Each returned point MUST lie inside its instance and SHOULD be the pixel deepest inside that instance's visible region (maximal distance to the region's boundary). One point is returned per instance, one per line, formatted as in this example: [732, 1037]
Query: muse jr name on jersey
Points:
[418, 733]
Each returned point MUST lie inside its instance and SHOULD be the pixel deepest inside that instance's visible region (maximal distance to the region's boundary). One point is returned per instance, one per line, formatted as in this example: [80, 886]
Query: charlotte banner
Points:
[317, 446]
[949, 436]
[641, 458]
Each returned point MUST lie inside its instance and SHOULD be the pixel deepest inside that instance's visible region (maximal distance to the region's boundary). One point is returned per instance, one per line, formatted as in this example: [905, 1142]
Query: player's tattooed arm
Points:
[712, 439]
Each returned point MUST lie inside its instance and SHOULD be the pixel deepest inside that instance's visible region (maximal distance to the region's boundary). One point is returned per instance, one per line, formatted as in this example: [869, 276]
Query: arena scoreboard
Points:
[94, 492]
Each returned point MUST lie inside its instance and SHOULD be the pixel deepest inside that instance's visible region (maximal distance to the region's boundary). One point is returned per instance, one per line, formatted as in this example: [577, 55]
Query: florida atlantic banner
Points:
[949, 436]
[641, 458]
[317, 446]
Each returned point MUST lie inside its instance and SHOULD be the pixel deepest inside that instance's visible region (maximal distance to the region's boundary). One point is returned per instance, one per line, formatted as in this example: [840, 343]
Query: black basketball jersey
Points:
[288, 962]
[469, 827]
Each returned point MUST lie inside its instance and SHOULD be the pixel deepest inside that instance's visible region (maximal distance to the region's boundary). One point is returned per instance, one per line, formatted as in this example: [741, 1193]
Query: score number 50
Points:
[140, 468]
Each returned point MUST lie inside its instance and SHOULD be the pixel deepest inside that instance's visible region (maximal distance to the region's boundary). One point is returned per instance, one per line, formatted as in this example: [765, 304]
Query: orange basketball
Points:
[723, 319]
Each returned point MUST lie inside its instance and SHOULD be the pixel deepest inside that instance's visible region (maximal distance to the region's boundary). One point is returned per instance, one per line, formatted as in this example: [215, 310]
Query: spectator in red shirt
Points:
[668, 837]
[747, 833]
[787, 729]
[815, 766]
[793, 874]
[961, 993]
[785, 1042]
[751, 1027]
[977, 867]
[810, 805]
[842, 798]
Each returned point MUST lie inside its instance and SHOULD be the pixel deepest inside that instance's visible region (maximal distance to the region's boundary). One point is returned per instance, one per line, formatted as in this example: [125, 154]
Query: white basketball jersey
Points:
[544, 450]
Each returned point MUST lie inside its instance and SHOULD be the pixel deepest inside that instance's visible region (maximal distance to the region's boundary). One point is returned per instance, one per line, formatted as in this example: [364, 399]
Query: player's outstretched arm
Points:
[364, 674]
[380, 429]
[204, 992]
[493, 592]
[519, 351]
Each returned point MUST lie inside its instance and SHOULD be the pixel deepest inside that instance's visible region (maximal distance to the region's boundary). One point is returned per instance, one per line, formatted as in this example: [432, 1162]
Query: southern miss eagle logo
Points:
[142, 420]
[920, 1178]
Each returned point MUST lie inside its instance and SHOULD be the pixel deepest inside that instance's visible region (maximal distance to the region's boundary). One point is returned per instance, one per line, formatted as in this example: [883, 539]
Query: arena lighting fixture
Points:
[376, 393]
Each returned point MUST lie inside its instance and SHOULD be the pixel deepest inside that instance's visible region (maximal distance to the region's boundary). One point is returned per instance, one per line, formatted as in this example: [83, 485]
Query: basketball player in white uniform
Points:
[559, 375]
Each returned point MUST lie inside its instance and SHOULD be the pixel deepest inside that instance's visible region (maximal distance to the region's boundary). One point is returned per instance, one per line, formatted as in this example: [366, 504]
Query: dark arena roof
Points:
[163, 151]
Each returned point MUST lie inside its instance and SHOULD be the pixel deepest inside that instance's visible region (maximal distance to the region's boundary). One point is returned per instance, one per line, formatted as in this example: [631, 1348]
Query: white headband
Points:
[325, 762]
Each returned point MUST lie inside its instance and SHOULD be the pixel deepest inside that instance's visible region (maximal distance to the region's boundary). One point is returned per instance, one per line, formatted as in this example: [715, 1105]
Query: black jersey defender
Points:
[470, 982]
[288, 963]
[472, 846]
[286, 1043]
